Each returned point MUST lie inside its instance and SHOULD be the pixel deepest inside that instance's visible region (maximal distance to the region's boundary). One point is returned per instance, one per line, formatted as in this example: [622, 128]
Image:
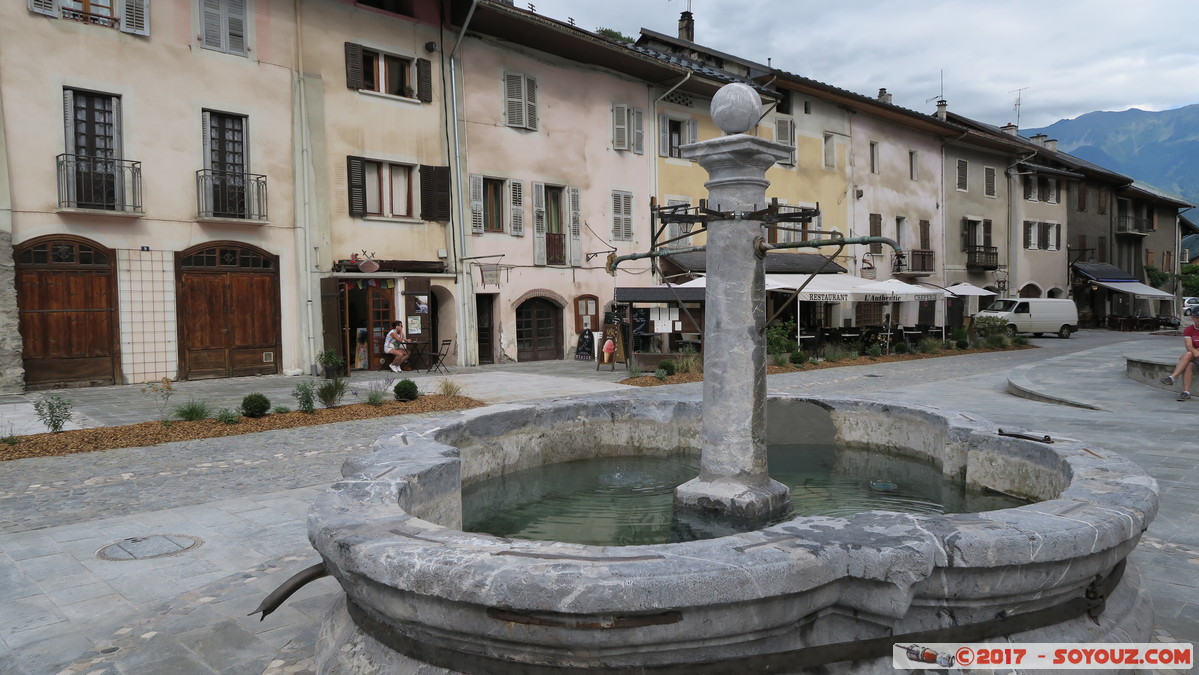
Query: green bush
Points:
[780, 360]
[660, 374]
[1020, 340]
[963, 343]
[875, 350]
[902, 348]
[255, 405]
[227, 416]
[193, 410]
[959, 334]
[53, 410]
[689, 362]
[780, 337]
[986, 326]
[799, 357]
[836, 353]
[330, 391]
[281, 410]
[305, 395]
[667, 365]
[405, 390]
[996, 341]
[930, 346]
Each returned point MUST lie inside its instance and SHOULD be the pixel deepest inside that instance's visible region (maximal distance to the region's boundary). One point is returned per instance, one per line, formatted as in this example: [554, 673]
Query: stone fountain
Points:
[421, 595]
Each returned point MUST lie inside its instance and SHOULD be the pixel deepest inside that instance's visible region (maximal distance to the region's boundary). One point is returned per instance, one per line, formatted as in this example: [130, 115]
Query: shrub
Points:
[331, 391]
[660, 374]
[305, 395]
[631, 365]
[902, 348]
[963, 343]
[448, 387]
[875, 350]
[930, 346]
[281, 410]
[990, 325]
[668, 365]
[780, 360]
[996, 341]
[799, 357]
[688, 362]
[960, 334]
[1020, 340]
[836, 353]
[780, 337]
[193, 411]
[10, 440]
[160, 391]
[255, 405]
[405, 390]
[53, 410]
[227, 416]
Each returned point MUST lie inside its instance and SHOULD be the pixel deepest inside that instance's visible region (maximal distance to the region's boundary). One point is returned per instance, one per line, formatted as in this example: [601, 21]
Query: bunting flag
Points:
[372, 282]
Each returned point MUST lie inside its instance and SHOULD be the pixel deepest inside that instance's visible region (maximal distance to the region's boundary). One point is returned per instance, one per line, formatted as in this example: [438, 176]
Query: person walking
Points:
[394, 344]
[1186, 362]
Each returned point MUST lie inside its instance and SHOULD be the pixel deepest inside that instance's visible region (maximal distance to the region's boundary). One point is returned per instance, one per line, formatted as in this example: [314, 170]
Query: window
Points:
[989, 181]
[493, 205]
[674, 230]
[551, 222]
[520, 101]
[975, 232]
[131, 16]
[93, 142]
[830, 151]
[388, 189]
[229, 188]
[1043, 236]
[223, 26]
[628, 128]
[1102, 202]
[784, 132]
[674, 133]
[901, 227]
[1046, 190]
[622, 215]
[874, 168]
[869, 313]
[1030, 188]
[394, 6]
[491, 199]
[370, 69]
[963, 175]
[913, 165]
[807, 107]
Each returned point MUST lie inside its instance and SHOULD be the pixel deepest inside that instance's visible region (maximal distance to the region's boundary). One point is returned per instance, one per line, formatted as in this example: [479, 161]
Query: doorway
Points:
[356, 317]
[484, 313]
[538, 331]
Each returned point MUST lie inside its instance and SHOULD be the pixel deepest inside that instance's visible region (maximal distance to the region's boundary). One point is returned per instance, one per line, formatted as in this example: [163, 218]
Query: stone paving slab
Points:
[246, 497]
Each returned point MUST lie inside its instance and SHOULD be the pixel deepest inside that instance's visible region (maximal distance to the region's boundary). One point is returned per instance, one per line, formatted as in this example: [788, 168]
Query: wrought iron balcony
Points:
[922, 260]
[99, 183]
[982, 257]
[232, 195]
[555, 249]
[1133, 225]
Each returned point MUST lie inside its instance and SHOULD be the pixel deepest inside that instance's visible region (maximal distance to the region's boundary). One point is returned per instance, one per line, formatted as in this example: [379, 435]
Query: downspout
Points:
[14, 379]
[467, 348]
[303, 231]
[653, 165]
[1015, 228]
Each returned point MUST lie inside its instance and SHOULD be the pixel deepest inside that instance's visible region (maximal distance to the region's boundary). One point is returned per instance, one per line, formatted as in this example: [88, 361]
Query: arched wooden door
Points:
[538, 331]
[66, 293]
[228, 311]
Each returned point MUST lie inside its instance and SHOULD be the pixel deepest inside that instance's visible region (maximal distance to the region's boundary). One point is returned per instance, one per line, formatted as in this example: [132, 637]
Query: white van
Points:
[1036, 315]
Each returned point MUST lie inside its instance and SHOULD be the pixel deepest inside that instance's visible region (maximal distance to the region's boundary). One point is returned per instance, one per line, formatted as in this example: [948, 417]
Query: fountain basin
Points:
[419, 590]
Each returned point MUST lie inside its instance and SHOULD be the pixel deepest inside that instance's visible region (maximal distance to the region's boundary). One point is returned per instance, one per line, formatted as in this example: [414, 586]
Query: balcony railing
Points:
[88, 17]
[1133, 225]
[99, 183]
[228, 194]
[555, 249]
[982, 257]
[922, 260]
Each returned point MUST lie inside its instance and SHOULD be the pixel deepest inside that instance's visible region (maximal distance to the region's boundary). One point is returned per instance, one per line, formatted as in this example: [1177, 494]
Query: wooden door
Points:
[228, 298]
[483, 305]
[538, 331]
[380, 302]
[67, 313]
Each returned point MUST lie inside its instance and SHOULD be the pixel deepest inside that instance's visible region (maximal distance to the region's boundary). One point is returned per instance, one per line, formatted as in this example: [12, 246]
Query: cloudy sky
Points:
[1067, 57]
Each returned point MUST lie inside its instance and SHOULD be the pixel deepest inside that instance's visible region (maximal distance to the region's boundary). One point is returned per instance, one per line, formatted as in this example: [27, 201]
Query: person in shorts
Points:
[1186, 362]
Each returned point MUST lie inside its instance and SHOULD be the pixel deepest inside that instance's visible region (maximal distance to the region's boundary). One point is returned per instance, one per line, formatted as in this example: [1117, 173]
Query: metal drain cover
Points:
[153, 546]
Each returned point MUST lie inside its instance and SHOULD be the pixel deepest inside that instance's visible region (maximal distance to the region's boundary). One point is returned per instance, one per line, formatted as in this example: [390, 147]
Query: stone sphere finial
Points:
[736, 108]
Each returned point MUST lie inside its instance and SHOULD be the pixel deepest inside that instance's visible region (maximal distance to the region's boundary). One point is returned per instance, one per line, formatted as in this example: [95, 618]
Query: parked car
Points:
[1037, 315]
[1189, 306]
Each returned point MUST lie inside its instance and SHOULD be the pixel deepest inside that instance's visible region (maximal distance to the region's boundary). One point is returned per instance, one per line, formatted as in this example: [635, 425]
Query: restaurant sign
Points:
[826, 297]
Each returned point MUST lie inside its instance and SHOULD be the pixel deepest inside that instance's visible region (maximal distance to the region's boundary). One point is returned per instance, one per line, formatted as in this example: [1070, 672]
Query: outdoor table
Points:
[416, 352]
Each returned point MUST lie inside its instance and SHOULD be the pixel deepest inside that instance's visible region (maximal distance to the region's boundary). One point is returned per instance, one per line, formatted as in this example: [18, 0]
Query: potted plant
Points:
[331, 362]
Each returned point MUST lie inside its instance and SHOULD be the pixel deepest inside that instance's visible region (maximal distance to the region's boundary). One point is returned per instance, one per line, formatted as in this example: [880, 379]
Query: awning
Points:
[1135, 288]
[892, 290]
[968, 289]
[822, 287]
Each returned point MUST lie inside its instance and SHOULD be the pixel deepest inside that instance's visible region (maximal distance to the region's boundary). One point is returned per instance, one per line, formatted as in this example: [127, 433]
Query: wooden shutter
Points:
[620, 126]
[1057, 236]
[989, 180]
[963, 176]
[514, 104]
[516, 203]
[424, 80]
[68, 117]
[47, 7]
[663, 136]
[1082, 197]
[576, 228]
[967, 234]
[1028, 186]
[206, 138]
[987, 233]
[434, 192]
[531, 103]
[135, 17]
[356, 185]
[638, 131]
[784, 132]
[925, 226]
[617, 215]
[235, 22]
[876, 230]
[353, 66]
[476, 204]
[538, 223]
[212, 22]
[1028, 242]
[1101, 249]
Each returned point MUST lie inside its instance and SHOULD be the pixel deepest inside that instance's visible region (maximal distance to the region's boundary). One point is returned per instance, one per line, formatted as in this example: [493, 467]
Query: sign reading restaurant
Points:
[826, 297]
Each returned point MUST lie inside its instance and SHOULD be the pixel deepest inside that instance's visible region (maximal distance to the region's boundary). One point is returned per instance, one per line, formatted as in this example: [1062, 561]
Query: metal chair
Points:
[437, 361]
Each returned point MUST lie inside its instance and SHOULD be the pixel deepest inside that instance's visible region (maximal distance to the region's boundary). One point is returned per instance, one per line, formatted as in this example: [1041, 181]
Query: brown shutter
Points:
[353, 65]
[967, 235]
[1082, 245]
[424, 80]
[924, 235]
[1027, 234]
[1057, 237]
[331, 314]
[876, 230]
[1102, 249]
[963, 179]
[1028, 183]
[434, 192]
[987, 233]
[356, 185]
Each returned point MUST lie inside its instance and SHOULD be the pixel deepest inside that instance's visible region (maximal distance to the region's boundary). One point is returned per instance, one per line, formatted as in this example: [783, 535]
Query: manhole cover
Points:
[153, 546]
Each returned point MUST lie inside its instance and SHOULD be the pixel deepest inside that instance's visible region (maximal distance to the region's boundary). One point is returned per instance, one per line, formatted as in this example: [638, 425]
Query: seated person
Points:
[394, 344]
[1186, 362]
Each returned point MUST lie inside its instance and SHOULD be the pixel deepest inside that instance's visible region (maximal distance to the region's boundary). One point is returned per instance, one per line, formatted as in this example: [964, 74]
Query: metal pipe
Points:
[614, 261]
[467, 355]
[287, 588]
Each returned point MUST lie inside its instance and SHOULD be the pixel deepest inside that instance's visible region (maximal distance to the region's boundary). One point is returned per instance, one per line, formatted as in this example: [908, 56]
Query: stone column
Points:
[733, 483]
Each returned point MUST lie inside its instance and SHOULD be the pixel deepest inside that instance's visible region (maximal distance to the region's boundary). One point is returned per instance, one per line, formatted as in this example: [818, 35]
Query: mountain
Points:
[1159, 148]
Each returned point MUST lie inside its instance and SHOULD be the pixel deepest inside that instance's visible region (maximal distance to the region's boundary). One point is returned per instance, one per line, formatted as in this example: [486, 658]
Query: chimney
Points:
[883, 96]
[687, 27]
[942, 110]
[1039, 139]
[1051, 144]
[1010, 129]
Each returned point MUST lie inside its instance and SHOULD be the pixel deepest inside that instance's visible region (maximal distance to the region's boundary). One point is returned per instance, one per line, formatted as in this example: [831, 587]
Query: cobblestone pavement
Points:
[62, 608]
